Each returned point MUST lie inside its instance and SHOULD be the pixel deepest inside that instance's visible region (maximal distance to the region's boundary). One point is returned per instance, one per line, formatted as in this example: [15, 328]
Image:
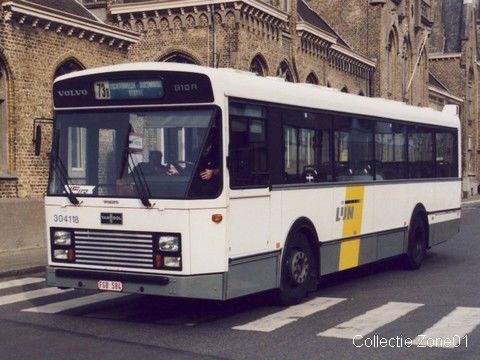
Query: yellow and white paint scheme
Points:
[242, 254]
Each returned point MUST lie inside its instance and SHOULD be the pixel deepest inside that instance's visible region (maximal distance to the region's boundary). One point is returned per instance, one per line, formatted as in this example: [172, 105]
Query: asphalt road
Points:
[440, 301]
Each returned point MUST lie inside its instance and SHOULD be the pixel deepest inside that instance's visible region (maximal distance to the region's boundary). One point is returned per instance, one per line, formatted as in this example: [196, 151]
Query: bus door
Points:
[250, 199]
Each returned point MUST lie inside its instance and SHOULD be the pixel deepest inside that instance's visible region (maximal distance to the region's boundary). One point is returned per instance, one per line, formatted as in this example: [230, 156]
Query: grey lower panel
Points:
[372, 248]
[329, 258]
[196, 286]
[443, 231]
[253, 275]
[391, 244]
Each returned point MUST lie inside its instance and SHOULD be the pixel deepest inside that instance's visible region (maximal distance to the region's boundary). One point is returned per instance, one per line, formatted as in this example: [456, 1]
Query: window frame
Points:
[265, 119]
[275, 125]
[4, 153]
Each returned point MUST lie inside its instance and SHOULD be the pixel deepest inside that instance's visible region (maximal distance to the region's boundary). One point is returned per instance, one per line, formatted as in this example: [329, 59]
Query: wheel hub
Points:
[299, 267]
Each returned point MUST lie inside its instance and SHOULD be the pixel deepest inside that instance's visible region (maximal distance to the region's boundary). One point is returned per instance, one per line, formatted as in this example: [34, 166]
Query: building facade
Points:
[423, 52]
[453, 61]
[39, 40]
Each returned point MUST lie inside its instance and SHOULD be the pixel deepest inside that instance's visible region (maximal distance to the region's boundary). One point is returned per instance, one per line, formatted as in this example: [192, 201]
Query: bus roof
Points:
[245, 85]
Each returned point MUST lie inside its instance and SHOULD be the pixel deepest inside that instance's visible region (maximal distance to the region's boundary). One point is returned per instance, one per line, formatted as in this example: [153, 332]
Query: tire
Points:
[417, 244]
[298, 271]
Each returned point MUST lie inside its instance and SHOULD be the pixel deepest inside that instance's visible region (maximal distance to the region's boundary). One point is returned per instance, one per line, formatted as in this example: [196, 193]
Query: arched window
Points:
[312, 79]
[3, 119]
[284, 72]
[392, 65]
[344, 90]
[407, 69]
[259, 66]
[361, 93]
[68, 66]
[178, 58]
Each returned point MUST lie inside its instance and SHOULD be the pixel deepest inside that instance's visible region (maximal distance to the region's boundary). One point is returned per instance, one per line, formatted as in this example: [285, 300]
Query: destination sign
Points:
[123, 89]
[132, 88]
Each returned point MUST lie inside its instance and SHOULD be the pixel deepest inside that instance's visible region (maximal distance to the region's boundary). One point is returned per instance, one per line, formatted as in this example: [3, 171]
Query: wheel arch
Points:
[420, 211]
[305, 226]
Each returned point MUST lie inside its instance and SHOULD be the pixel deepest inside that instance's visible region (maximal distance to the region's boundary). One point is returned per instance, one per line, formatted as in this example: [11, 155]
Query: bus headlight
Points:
[63, 238]
[169, 243]
[172, 261]
[64, 255]
[60, 254]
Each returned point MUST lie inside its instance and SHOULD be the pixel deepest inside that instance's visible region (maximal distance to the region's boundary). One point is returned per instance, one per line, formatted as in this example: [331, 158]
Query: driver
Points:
[155, 166]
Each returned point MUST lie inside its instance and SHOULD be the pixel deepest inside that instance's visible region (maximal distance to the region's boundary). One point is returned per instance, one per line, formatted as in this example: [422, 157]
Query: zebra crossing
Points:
[460, 321]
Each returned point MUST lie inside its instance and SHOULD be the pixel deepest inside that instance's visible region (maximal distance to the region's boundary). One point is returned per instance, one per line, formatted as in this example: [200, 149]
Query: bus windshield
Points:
[162, 154]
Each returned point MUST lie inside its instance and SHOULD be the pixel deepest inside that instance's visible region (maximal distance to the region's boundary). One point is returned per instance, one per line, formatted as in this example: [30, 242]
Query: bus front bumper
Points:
[209, 286]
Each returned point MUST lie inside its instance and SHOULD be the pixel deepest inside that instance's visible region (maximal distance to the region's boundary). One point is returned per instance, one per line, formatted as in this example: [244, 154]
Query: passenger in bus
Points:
[155, 166]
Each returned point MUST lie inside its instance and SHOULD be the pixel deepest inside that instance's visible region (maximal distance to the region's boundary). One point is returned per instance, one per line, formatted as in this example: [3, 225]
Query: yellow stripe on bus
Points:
[350, 249]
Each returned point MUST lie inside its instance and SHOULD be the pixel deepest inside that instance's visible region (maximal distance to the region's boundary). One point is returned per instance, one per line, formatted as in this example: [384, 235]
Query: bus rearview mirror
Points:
[38, 140]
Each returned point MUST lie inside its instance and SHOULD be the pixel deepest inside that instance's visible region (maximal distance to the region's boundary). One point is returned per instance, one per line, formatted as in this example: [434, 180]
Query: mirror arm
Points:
[37, 140]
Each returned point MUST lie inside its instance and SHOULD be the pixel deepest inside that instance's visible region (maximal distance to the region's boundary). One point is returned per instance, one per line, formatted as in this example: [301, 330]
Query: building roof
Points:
[453, 13]
[307, 14]
[433, 81]
[71, 7]
[68, 17]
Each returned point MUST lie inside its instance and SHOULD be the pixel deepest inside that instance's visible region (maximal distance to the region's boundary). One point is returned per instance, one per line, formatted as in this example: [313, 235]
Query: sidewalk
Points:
[471, 200]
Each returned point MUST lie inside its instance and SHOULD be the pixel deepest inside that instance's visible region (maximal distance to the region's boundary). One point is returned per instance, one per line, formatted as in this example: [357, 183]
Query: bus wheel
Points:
[417, 244]
[297, 271]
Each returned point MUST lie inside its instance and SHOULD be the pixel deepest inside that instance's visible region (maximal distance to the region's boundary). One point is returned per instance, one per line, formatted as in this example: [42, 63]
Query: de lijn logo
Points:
[346, 211]
[111, 218]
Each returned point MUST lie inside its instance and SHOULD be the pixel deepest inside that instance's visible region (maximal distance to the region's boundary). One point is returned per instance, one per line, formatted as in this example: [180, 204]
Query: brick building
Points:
[374, 48]
[273, 38]
[453, 61]
[39, 39]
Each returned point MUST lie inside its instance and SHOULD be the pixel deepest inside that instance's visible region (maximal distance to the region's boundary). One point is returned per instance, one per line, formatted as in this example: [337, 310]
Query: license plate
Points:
[109, 285]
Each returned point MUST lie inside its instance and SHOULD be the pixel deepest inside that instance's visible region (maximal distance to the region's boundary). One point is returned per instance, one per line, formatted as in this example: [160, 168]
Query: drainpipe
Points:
[214, 38]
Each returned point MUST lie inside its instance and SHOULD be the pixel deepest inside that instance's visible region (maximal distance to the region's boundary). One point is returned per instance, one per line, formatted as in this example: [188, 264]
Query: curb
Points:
[470, 202]
[26, 271]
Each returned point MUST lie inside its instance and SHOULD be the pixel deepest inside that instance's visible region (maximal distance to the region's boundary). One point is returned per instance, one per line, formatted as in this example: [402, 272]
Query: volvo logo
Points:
[73, 93]
[111, 218]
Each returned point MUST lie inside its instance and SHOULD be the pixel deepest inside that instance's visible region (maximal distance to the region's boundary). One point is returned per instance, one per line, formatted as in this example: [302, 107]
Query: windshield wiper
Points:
[62, 174]
[137, 174]
[140, 182]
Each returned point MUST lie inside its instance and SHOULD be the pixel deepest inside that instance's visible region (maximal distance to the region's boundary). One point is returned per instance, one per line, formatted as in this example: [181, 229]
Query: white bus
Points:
[181, 180]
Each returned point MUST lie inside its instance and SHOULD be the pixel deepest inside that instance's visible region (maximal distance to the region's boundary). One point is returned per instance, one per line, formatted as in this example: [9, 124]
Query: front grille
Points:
[113, 248]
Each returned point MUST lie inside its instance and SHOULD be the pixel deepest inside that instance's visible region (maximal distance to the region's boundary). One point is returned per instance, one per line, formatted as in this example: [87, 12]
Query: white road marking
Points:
[455, 325]
[74, 303]
[20, 282]
[370, 321]
[289, 315]
[29, 295]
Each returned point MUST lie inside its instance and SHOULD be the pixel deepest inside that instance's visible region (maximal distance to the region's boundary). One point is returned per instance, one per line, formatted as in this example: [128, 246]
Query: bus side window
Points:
[248, 157]
[446, 154]
[306, 147]
[420, 152]
[353, 149]
[390, 151]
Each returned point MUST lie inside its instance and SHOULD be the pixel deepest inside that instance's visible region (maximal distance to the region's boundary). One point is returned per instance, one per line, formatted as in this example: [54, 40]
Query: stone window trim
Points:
[179, 57]
[67, 66]
[258, 66]
[312, 78]
[8, 175]
[4, 153]
[285, 72]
